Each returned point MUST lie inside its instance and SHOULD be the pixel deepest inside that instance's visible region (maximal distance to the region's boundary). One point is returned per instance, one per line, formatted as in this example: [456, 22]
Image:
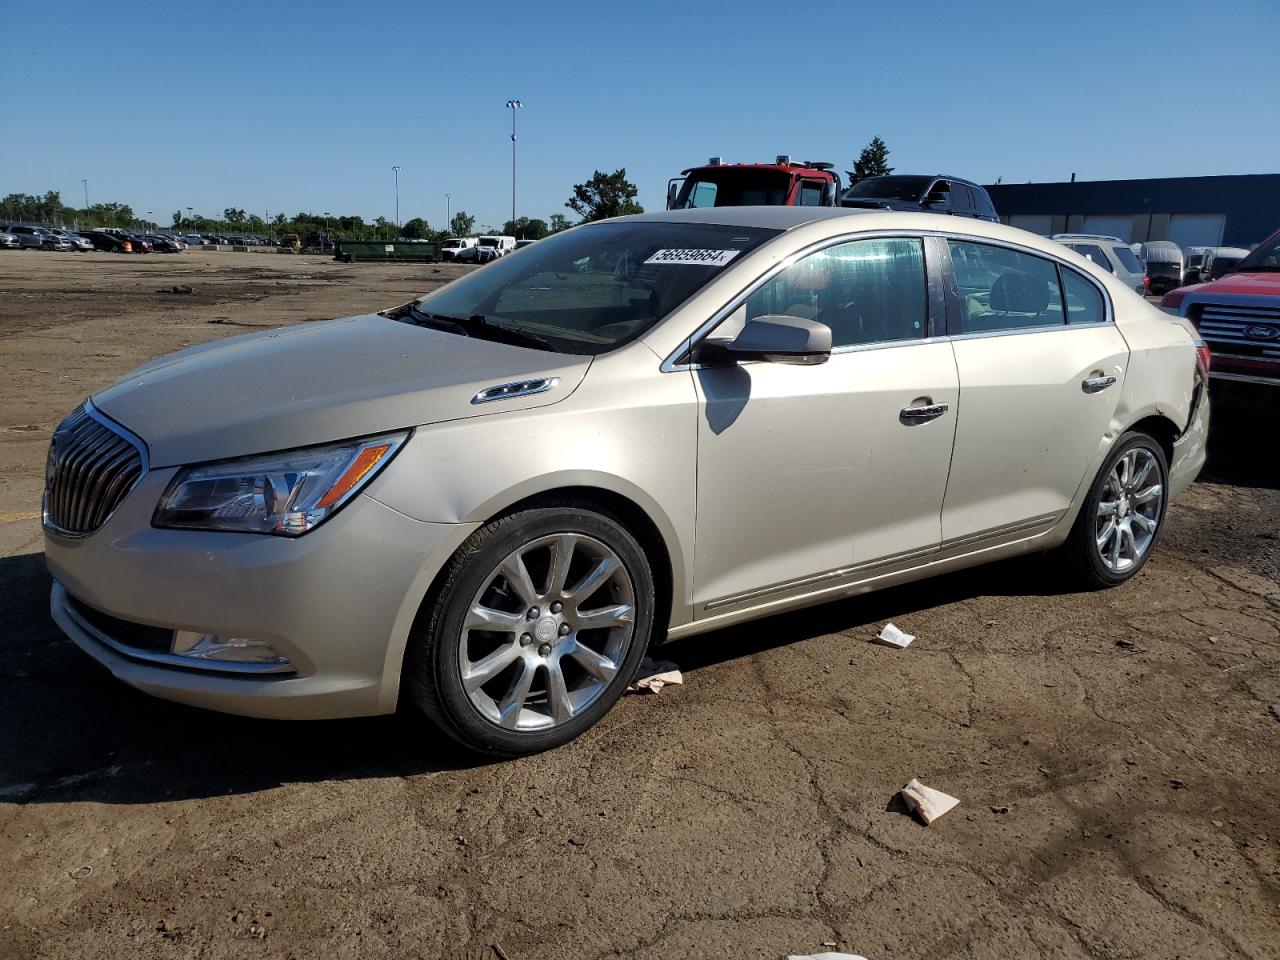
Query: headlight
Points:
[281, 493]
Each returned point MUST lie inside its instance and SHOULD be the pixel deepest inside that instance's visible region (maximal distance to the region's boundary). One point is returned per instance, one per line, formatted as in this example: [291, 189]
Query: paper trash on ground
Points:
[656, 674]
[891, 636]
[928, 804]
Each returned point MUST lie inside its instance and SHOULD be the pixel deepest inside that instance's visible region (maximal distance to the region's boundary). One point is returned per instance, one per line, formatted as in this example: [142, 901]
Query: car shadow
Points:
[1236, 457]
[73, 733]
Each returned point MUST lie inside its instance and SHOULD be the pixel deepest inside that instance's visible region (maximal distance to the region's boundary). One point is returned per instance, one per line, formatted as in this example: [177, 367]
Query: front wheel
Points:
[1121, 518]
[539, 624]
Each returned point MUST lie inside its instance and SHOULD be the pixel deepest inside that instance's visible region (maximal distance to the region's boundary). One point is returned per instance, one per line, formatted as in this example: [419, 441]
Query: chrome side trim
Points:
[167, 659]
[1244, 378]
[1046, 520]
[517, 388]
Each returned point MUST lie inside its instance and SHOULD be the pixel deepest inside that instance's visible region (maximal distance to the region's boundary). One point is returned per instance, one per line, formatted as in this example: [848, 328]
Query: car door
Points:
[805, 472]
[1041, 366]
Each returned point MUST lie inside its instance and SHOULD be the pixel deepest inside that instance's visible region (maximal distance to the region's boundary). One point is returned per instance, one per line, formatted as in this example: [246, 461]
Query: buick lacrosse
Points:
[491, 501]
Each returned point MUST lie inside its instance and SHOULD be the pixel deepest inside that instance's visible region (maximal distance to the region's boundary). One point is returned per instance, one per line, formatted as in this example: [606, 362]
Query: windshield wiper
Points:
[482, 328]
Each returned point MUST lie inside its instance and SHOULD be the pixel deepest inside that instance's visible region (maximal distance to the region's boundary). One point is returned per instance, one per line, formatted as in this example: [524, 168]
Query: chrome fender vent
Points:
[518, 388]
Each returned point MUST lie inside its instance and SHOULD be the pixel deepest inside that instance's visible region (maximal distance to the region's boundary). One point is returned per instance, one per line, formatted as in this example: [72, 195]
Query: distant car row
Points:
[112, 240]
[480, 249]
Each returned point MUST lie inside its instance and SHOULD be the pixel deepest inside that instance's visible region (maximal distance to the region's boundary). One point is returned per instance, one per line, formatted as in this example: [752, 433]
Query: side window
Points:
[961, 199]
[983, 204]
[940, 194]
[810, 194]
[1094, 253]
[866, 291]
[703, 194]
[1003, 289]
[1084, 301]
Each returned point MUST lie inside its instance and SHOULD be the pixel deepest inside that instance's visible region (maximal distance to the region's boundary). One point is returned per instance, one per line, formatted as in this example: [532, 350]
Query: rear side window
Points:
[1094, 253]
[866, 291]
[1128, 258]
[810, 194]
[983, 204]
[1084, 300]
[961, 198]
[1003, 289]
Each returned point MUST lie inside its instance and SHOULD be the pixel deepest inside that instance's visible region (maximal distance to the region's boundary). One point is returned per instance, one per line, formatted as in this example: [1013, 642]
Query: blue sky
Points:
[306, 106]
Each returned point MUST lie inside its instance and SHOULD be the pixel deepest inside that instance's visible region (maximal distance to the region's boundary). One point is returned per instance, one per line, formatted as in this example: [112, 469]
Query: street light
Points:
[397, 172]
[150, 225]
[86, 194]
[514, 105]
[188, 214]
[448, 211]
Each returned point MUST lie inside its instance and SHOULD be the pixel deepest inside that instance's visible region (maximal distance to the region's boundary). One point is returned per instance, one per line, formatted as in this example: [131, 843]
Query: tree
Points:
[604, 195]
[872, 162]
[416, 229]
[559, 222]
[177, 219]
[526, 229]
[232, 215]
[462, 224]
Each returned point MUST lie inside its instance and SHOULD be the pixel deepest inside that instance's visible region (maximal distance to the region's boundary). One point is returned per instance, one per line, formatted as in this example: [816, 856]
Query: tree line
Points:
[604, 195]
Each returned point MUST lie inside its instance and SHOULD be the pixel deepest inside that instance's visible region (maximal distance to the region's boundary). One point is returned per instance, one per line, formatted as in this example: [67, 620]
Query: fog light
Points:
[208, 646]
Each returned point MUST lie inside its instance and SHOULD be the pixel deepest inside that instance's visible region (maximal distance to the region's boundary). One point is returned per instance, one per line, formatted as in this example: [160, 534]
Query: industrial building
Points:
[1233, 211]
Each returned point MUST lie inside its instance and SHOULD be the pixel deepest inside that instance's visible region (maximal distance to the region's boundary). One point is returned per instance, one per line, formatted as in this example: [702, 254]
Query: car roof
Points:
[765, 217]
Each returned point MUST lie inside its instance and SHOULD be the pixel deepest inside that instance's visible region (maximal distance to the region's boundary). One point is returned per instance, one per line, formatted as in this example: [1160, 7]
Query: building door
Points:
[1110, 225]
[1197, 229]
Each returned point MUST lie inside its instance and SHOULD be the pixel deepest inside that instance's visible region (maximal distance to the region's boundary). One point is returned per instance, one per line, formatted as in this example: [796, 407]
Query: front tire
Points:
[1122, 516]
[539, 623]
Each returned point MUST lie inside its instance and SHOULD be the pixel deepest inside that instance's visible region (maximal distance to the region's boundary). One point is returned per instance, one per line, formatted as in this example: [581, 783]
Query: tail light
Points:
[1146, 282]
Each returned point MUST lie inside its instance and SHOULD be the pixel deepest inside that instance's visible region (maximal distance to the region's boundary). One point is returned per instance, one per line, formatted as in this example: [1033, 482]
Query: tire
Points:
[1101, 552]
[511, 704]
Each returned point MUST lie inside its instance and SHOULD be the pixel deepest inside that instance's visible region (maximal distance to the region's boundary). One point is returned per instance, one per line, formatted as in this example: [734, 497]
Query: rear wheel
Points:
[1121, 518]
[538, 626]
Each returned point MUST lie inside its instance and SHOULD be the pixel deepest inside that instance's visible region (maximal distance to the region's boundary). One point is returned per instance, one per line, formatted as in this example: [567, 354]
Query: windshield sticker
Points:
[694, 258]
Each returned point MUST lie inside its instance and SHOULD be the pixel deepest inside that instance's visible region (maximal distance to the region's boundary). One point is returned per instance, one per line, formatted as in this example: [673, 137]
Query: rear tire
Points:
[520, 649]
[1122, 516]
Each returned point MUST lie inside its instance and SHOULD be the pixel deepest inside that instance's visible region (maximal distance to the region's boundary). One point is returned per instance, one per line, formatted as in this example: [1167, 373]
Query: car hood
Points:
[320, 382]
[1241, 284]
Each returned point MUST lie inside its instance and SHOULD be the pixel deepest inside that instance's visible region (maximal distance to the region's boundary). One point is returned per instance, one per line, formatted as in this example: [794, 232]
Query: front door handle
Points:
[922, 413]
[1096, 384]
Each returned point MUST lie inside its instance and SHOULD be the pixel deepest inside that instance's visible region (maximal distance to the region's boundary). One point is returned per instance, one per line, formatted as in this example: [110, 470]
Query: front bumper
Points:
[338, 602]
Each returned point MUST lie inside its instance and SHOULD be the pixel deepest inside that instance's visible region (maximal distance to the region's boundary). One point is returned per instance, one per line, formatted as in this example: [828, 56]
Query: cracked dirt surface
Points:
[746, 814]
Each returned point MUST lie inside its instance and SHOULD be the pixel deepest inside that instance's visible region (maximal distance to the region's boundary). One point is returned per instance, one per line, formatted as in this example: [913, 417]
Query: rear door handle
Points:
[1096, 384]
[922, 413]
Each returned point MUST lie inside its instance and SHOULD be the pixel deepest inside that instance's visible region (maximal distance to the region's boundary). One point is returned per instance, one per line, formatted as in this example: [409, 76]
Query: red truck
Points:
[1238, 316]
[781, 183]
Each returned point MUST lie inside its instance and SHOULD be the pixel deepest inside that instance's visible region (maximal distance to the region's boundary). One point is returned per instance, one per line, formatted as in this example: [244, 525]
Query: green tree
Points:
[462, 224]
[416, 229]
[604, 195]
[526, 229]
[233, 215]
[558, 222]
[872, 162]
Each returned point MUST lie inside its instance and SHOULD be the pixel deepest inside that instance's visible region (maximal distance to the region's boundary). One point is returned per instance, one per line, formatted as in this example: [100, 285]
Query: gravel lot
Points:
[1130, 734]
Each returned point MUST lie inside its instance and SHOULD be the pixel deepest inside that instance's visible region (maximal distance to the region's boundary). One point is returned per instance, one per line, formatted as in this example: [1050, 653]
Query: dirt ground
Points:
[1114, 753]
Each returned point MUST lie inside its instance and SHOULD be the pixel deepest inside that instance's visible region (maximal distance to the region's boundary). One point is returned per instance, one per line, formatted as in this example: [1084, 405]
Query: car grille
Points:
[91, 469]
[139, 636]
[1242, 330]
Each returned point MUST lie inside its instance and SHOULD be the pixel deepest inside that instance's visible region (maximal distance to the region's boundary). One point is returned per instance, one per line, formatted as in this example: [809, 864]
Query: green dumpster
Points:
[349, 251]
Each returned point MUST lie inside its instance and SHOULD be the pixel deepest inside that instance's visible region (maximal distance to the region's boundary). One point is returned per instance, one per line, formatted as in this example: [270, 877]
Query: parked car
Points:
[74, 240]
[37, 238]
[1196, 264]
[934, 194]
[491, 247]
[1111, 254]
[194, 240]
[460, 498]
[521, 244]
[8, 241]
[109, 242]
[1238, 315]
[1164, 264]
[453, 246]
[163, 244]
[1222, 261]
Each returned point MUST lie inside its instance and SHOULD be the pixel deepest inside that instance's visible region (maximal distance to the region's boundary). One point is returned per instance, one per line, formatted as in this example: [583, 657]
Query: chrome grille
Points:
[92, 466]
[1248, 330]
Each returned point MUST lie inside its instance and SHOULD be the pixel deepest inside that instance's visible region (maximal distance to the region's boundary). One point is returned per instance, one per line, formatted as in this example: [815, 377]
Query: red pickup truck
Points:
[1238, 317]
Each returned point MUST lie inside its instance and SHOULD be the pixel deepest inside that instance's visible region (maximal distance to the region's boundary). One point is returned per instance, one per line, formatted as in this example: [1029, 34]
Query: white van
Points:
[453, 246]
[1165, 265]
[490, 248]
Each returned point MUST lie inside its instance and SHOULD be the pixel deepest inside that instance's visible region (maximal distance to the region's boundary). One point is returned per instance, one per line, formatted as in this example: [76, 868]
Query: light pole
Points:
[150, 226]
[448, 211]
[86, 195]
[188, 214]
[397, 173]
[514, 105]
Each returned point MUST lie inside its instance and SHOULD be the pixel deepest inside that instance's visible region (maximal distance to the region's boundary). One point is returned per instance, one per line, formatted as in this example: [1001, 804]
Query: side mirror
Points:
[932, 203]
[773, 339]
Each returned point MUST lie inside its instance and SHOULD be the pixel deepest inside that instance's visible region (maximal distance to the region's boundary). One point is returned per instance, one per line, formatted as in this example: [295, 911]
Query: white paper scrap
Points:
[656, 674]
[928, 804]
[891, 636]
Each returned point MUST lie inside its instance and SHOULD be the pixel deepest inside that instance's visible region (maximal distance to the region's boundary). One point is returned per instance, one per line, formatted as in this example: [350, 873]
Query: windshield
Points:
[1127, 258]
[1265, 259]
[488, 241]
[746, 187]
[889, 188]
[451, 244]
[594, 288]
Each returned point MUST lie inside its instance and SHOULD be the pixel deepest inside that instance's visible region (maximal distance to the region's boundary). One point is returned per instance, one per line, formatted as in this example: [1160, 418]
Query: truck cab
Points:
[779, 184]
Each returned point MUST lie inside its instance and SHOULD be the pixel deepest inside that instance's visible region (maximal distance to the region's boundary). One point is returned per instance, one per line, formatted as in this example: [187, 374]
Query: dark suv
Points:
[934, 194]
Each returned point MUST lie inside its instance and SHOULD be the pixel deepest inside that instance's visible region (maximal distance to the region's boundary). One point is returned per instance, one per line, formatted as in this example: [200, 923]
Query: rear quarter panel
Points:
[1161, 378]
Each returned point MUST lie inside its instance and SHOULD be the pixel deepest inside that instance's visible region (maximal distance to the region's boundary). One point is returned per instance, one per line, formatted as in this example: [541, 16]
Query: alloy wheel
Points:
[547, 632]
[1129, 510]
